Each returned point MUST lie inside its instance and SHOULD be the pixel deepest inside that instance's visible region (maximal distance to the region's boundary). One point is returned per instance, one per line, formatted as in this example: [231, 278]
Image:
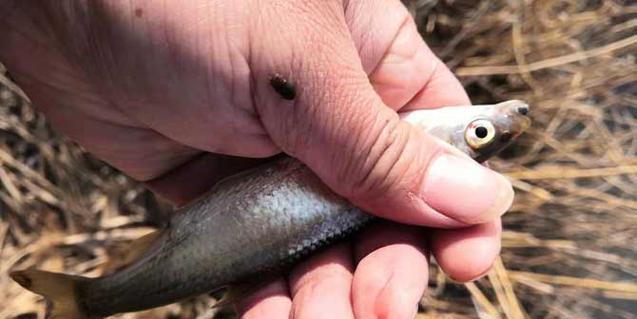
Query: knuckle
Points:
[380, 167]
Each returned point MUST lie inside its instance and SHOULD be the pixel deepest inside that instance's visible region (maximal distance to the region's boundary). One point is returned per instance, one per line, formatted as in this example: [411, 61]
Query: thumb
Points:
[317, 104]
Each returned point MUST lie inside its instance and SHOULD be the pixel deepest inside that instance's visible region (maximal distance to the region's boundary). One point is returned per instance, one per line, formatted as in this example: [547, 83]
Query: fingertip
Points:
[389, 282]
[391, 278]
[321, 286]
[467, 254]
[464, 190]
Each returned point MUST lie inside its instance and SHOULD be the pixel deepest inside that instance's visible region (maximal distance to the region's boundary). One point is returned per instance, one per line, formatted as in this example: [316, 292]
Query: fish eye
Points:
[479, 133]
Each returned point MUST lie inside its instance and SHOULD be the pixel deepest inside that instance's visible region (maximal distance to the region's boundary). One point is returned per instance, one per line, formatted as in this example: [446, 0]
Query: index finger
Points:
[403, 70]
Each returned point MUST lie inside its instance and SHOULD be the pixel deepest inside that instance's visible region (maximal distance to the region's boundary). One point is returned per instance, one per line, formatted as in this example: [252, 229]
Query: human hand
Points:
[160, 90]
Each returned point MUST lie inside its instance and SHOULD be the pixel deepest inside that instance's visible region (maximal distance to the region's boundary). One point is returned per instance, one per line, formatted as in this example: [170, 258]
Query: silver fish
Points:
[253, 224]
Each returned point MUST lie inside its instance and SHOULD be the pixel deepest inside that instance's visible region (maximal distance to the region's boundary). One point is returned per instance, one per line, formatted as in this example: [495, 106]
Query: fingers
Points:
[441, 89]
[272, 301]
[392, 274]
[407, 75]
[390, 277]
[401, 67]
[468, 253]
[339, 126]
[321, 286]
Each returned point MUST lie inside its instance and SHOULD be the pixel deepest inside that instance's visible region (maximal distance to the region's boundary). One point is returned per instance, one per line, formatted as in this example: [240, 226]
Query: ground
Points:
[568, 247]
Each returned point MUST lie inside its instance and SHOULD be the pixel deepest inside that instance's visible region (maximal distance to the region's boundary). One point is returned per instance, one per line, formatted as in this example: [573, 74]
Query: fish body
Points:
[253, 224]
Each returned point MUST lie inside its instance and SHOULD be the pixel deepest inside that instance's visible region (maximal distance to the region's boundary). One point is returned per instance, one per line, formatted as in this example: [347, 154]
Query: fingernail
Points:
[466, 191]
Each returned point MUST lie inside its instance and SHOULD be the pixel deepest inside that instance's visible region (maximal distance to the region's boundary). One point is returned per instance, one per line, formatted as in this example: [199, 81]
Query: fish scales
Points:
[254, 224]
[272, 215]
[260, 220]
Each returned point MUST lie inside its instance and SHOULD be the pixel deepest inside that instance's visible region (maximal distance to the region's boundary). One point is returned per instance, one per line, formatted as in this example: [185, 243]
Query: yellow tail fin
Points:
[60, 291]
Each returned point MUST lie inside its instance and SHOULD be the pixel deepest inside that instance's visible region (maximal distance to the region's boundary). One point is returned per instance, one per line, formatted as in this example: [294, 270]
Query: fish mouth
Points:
[518, 126]
[517, 111]
[520, 121]
[523, 124]
[506, 137]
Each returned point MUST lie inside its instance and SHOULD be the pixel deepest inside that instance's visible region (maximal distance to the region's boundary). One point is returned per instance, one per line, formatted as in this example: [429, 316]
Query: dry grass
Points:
[568, 248]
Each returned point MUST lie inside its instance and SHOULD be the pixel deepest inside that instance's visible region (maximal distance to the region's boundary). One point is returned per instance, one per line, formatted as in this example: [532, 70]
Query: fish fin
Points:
[59, 290]
[232, 295]
[128, 253]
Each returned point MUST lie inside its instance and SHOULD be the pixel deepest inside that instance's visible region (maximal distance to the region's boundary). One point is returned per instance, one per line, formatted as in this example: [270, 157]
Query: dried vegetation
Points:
[569, 241]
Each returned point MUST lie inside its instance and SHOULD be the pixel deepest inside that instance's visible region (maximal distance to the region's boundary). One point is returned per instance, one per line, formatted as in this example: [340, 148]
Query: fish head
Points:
[480, 131]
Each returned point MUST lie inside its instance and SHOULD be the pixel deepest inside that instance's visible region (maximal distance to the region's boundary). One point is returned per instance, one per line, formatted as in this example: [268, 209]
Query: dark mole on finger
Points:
[284, 88]
[139, 12]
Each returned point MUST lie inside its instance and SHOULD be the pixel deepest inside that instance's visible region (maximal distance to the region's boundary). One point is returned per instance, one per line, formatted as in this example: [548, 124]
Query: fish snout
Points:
[515, 120]
[520, 122]
[514, 107]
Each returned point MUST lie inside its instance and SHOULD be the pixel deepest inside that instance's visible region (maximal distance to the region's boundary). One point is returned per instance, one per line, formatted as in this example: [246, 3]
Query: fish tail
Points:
[59, 290]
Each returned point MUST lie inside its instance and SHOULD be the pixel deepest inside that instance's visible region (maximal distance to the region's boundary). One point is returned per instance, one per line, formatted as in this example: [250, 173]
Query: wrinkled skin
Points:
[168, 91]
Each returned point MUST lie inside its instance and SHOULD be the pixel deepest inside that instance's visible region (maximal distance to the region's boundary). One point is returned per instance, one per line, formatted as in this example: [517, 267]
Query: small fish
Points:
[252, 225]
